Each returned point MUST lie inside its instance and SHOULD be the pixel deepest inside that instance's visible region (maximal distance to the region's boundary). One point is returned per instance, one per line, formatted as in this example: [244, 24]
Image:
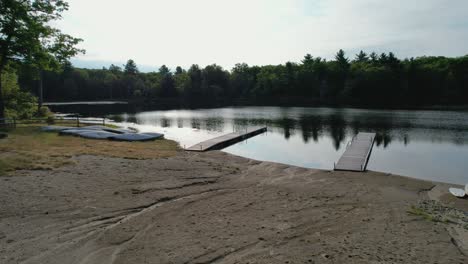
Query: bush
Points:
[50, 120]
[44, 111]
[18, 103]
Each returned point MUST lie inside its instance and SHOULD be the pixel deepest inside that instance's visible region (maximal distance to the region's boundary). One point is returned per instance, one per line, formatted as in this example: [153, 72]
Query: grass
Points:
[433, 218]
[29, 148]
[420, 212]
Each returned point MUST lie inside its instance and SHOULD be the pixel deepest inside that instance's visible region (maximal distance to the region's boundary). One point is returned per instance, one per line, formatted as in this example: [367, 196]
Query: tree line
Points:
[365, 80]
[33, 54]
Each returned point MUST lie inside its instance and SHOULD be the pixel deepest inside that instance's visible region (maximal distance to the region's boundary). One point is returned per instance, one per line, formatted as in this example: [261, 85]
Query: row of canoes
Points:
[103, 132]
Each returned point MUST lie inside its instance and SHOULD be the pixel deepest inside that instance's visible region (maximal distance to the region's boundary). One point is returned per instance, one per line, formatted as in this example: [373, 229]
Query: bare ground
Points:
[218, 208]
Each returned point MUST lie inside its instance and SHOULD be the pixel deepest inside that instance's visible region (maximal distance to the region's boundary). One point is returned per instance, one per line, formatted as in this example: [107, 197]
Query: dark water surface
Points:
[429, 145]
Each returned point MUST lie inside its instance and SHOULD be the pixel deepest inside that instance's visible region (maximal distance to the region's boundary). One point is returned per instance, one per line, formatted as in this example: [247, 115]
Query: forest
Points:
[366, 80]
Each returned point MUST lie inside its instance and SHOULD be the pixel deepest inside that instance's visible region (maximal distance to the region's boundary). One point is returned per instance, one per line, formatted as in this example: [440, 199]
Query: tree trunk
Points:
[2, 104]
[40, 101]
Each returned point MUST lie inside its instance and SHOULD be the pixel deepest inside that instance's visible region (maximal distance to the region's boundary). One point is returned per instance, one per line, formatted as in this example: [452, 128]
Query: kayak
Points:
[137, 137]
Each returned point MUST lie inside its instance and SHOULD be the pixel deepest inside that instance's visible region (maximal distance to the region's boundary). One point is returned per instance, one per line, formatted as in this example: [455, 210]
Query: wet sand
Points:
[219, 208]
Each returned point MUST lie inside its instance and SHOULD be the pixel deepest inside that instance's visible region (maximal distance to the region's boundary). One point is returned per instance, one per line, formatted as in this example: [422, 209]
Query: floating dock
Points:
[226, 140]
[357, 153]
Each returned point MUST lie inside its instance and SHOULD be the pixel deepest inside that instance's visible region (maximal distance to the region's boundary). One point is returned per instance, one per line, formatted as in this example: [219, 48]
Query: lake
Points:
[430, 145]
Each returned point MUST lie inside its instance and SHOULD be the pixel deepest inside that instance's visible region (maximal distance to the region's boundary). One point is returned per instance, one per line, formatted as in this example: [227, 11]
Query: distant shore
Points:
[180, 103]
[85, 103]
[219, 208]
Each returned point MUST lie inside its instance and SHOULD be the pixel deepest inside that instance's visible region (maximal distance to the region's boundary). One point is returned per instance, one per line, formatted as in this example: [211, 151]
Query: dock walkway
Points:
[357, 153]
[226, 140]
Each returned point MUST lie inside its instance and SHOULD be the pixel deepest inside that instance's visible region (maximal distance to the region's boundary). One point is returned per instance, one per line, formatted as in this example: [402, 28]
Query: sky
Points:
[260, 32]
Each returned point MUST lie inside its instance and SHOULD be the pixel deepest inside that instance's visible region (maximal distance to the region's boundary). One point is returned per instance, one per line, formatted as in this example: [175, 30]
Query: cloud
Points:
[182, 32]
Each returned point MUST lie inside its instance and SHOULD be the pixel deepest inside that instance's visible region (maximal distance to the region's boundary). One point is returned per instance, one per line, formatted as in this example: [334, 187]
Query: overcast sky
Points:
[260, 32]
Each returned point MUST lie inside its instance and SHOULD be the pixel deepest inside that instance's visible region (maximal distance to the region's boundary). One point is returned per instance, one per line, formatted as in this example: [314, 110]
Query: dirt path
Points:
[218, 208]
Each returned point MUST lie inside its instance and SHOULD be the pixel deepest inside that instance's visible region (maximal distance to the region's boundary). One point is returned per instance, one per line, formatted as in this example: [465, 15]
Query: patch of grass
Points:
[30, 148]
[420, 212]
[434, 217]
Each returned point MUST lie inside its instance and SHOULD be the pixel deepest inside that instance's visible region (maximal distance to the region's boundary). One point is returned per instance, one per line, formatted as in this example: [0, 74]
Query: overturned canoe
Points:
[108, 129]
[74, 131]
[96, 134]
[55, 128]
[137, 137]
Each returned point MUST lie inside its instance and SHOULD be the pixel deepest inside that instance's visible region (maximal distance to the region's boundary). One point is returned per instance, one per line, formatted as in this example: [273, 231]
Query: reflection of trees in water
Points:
[165, 122]
[337, 129]
[180, 123]
[195, 123]
[383, 138]
[132, 119]
[242, 124]
[405, 139]
[382, 125]
[337, 125]
[288, 126]
[311, 126]
[214, 124]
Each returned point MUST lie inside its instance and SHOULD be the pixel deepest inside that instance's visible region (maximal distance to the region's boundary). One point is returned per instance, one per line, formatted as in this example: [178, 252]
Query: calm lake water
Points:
[429, 145]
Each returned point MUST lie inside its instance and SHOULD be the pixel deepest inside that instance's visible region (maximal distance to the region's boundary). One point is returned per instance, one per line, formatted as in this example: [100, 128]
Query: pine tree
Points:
[131, 67]
[361, 57]
[341, 59]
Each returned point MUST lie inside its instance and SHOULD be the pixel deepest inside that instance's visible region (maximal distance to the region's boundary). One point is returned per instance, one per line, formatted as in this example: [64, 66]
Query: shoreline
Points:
[220, 208]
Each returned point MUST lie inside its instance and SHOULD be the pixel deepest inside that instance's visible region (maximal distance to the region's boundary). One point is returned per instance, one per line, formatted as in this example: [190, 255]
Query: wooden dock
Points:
[357, 153]
[226, 140]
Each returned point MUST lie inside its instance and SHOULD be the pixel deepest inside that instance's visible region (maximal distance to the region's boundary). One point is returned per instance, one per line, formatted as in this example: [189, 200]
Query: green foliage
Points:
[27, 37]
[130, 67]
[26, 33]
[44, 111]
[361, 57]
[369, 80]
[19, 104]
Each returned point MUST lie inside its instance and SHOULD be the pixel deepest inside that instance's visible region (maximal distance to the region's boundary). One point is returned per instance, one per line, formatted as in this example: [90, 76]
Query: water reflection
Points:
[316, 137]
[315, 122]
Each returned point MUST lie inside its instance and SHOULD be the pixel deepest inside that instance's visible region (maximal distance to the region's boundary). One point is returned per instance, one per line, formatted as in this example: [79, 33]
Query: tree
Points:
[167, 82]
[361, 57]
[195, 74]
[340, 57]
[115, 69]
[26, 36]
[130, 67]
[164, 70]
[179, 70]
[308, 59]
[374, 57]
[19, 104]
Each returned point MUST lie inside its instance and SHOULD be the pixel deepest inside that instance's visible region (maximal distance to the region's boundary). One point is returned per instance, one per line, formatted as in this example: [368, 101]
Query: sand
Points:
[218, 208]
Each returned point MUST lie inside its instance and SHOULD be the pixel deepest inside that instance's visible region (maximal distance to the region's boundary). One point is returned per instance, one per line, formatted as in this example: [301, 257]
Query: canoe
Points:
[137, 137]
[74, 131]
[96, 134]
[457, 192]
[55, 128]
[108, 129]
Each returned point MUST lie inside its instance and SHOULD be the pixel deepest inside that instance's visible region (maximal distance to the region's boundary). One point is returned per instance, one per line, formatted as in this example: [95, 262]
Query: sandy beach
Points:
[218, 208]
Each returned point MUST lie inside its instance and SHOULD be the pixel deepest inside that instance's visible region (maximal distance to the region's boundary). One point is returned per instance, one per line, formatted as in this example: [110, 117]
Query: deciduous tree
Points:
[26, 36]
